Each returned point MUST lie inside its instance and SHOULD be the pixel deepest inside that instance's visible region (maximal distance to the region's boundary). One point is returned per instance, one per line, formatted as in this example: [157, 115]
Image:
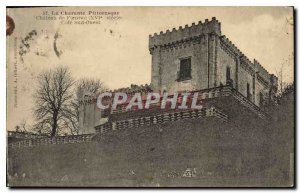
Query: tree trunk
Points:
[54, 126]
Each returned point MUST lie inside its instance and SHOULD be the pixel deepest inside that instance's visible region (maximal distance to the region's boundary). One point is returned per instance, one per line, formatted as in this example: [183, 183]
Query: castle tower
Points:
[185, 58]
[199, 57]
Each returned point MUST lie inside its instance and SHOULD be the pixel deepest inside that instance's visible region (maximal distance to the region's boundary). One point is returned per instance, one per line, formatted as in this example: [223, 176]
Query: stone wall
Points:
[221, 155]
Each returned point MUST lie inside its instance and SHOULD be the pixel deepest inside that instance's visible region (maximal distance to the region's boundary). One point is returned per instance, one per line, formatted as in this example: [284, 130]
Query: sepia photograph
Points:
[155, 97]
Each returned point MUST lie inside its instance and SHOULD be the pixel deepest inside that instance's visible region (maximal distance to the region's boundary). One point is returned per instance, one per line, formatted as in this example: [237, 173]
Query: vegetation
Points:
[57, 101]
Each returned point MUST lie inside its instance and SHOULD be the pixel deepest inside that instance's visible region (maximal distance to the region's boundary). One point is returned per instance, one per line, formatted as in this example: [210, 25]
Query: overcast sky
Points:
[116, 51]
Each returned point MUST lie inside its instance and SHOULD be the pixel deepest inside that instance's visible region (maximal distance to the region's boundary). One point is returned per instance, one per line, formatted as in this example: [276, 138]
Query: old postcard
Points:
[150, 96]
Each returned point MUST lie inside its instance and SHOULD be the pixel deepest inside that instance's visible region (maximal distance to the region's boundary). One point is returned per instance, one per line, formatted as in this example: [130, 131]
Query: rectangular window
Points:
[228, 77]
[248, 92]
[185, 69]
[228, 73]
[261, 99]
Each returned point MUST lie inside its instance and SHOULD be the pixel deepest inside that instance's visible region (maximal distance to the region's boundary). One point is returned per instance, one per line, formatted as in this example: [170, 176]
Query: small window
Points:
[228, 77]
[228, 73]
[185, 69]
[248, 92]
[261, 99]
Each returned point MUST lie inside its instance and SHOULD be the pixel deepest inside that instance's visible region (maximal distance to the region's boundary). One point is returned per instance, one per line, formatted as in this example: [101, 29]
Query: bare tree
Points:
[53, 101]
[90, 85]
[282, 83]
[23, 125]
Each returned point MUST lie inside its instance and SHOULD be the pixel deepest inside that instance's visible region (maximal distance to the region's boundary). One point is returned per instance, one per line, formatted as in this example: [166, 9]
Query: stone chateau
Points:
[193, 58]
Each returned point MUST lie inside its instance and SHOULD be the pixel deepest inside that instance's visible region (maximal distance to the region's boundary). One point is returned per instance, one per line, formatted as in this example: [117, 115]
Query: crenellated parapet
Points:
[127, 90]
[262, 72]
[134, 89]
[246, 64]
[180, 44]
[232, 50]
[229, 47]
[185, 33]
